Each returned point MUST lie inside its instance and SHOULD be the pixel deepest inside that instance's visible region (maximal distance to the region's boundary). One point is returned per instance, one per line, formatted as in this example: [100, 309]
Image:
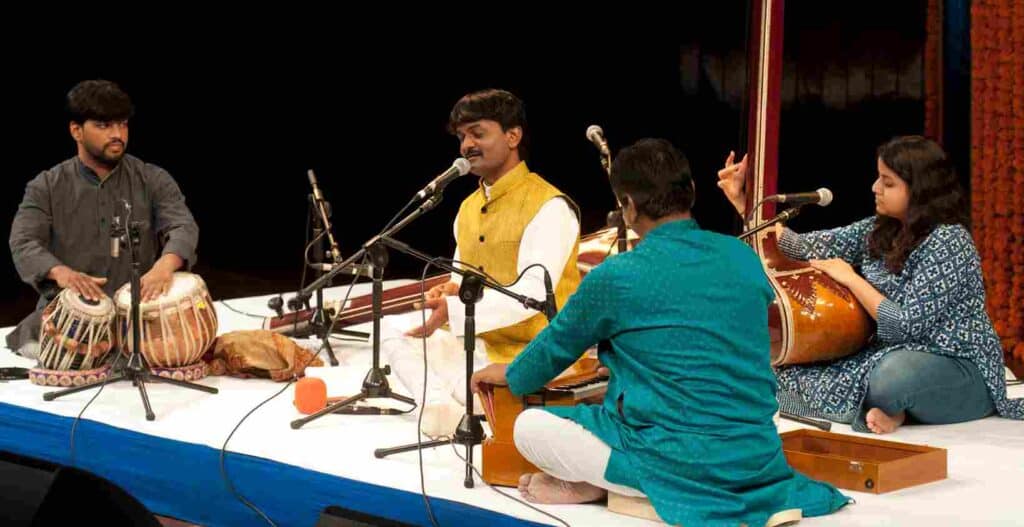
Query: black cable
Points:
[225, 304]
[116, 350]
[223, 449]
[611, 247]
[750, 213]
[396, 216]
[223, 467]
[513, 498]
[74, 424]
[305, 254]
[419, 420]
[426, 499]
[305, 261]
[491, 278]
[327, 337]
[423, 338]
[477, 472]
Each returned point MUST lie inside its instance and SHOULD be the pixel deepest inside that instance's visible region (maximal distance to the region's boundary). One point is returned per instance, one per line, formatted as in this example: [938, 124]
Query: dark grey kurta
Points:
[65, 218]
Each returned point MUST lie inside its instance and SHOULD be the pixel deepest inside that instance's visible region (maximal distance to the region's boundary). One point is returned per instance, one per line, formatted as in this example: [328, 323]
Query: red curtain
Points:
[933, 72]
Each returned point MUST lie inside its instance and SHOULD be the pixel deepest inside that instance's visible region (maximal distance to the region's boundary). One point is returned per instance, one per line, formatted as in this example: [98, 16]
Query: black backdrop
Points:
[239, 123]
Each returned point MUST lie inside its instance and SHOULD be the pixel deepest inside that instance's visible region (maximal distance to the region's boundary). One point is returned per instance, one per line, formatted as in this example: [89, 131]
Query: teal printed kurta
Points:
[936, 304]
[688, 412]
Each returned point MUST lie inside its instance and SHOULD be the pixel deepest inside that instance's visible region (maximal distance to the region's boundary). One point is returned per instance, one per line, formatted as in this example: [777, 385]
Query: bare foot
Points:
[524, 485]
[542, 488]
[882, 423]
[441, 419]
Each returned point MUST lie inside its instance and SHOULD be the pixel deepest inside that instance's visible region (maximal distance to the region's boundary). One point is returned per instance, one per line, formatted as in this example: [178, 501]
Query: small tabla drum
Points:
[176, 328]
[74, 341]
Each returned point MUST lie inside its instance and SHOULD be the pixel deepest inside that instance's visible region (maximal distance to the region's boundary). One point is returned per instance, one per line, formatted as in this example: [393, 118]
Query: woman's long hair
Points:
[935, 199]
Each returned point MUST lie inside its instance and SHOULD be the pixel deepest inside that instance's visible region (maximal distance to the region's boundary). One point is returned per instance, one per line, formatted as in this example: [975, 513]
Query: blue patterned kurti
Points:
[688, 412]
[936, 304]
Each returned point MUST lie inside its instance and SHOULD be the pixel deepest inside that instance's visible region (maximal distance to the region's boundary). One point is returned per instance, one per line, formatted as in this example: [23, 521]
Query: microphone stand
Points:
[315, 321]
[615, 217]
[782, 217]
[320, 322]
[375, 384]
[615, 220]
[469, 432]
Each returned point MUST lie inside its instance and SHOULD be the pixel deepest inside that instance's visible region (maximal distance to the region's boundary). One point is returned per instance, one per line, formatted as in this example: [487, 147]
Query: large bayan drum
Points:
[74, 341]
[176, 328]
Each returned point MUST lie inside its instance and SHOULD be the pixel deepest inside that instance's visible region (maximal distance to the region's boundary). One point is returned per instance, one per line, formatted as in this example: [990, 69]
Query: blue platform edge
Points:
[183, 480]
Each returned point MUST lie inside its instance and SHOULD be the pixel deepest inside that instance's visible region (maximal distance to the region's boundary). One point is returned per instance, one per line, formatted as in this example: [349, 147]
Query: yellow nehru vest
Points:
[489, 233]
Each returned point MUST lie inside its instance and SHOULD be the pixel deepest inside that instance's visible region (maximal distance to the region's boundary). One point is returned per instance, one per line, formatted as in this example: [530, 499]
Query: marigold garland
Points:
[997, 161]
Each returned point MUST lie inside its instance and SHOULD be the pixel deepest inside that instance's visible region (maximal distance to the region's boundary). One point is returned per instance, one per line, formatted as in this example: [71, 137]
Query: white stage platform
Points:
[986, 458]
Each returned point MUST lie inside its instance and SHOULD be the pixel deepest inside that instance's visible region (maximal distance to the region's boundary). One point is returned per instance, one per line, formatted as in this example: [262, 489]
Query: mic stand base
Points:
[320, 326]
[135, 368]
[375, 384]
[139, 377]
[469, 432]
[321, 322]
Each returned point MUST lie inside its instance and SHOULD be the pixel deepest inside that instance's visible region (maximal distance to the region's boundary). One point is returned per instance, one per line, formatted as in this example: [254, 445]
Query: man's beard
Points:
[100, 154]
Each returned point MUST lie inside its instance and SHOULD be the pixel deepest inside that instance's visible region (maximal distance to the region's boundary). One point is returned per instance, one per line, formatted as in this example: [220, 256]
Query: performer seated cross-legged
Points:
[687, 419]
[60, 236]
[514, 220]
[936, 357]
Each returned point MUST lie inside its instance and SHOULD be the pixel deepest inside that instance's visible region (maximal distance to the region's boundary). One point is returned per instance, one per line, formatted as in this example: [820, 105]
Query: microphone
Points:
[459, 168]
[550, 308]
[317, 195]
[120, 231]
[614, 218]
[821, 197]
[318, 201]
[115, 237]
[277, 304]
[596, 135]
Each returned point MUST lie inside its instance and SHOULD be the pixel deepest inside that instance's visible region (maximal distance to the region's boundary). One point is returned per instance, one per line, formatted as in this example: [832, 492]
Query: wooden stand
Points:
[642, 508]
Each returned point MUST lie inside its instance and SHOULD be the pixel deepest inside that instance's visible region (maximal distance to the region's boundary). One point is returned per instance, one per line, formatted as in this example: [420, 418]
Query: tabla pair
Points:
[78, 334]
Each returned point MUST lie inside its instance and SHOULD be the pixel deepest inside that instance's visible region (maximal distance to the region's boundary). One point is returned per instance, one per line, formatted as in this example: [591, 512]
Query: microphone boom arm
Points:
[527, 302]
[783, 216]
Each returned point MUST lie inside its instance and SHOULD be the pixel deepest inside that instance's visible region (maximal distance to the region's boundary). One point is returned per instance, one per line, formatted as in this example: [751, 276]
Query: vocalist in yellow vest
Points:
[513, 220]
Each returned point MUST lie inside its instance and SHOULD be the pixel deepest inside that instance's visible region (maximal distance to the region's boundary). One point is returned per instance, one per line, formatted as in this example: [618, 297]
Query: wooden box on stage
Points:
[861, 463]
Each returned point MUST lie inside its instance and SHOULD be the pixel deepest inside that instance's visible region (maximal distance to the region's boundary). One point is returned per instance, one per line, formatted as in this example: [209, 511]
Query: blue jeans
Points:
[931, 388]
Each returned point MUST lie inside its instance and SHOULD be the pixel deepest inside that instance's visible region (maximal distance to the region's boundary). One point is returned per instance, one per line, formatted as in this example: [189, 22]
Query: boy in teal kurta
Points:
[687, 419]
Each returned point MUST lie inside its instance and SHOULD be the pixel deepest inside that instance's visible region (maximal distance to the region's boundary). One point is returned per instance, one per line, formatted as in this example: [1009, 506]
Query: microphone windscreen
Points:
[826, 197]
[462, 165]
[310, 395]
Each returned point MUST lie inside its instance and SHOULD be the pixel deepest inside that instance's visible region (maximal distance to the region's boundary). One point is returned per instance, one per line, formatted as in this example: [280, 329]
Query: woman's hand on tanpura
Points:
[837, 269]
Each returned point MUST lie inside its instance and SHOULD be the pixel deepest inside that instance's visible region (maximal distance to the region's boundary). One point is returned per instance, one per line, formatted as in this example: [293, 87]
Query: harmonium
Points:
[502, 463]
